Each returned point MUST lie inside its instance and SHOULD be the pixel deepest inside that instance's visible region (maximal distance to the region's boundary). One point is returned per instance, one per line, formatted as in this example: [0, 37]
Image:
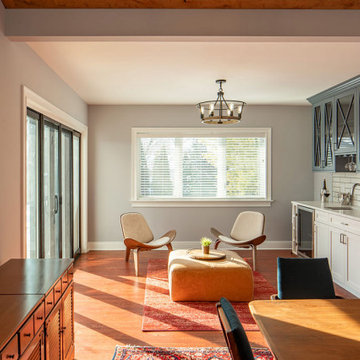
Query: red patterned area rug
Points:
[204, 353]
[162, 314]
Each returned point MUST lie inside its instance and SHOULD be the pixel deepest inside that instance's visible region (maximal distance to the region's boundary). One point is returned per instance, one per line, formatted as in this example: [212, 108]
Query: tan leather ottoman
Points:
[199, 280]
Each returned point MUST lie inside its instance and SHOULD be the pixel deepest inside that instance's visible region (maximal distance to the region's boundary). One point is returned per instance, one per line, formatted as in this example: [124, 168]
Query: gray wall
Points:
[19, 65]
[110, 171]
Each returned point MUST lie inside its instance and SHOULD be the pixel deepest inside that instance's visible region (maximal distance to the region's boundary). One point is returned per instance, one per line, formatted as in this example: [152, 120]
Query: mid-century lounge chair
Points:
[299, 278]
[247, 231]
[234, 333]
[138, 237]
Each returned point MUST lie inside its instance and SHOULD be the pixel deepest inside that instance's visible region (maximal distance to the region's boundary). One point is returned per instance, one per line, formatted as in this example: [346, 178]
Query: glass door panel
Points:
[76, 193]
[32, 185]
[345, 122]
[328, 134]
[51, 201]
[317, 123]
[66, 193]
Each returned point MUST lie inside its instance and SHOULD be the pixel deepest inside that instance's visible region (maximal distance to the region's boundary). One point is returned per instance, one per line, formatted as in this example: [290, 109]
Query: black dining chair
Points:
[299, 278]
[234, 333]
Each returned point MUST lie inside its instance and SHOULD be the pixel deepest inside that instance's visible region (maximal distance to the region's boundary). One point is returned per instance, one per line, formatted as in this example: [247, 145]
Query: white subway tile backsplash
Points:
[343, 182]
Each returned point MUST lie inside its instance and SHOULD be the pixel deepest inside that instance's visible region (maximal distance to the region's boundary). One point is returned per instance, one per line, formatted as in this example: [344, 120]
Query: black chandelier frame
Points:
[221, 111]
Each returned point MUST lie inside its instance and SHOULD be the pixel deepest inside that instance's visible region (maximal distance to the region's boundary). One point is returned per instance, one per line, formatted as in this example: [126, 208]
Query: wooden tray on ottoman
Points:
[199, 255]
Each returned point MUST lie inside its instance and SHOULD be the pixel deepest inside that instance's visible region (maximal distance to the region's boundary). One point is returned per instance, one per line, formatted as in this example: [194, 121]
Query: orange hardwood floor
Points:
[109, 304]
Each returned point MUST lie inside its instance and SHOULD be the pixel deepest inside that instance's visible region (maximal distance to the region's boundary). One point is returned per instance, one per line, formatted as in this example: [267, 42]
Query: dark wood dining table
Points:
[310, 329]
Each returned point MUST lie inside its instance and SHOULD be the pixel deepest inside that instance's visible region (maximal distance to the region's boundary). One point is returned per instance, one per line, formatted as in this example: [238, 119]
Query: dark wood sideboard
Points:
[37, 309]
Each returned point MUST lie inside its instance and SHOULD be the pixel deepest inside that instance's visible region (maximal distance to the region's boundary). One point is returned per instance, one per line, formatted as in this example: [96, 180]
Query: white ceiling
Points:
[185, 72]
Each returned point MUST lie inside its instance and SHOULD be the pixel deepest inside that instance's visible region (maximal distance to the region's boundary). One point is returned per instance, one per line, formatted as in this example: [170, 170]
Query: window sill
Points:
[202, 203]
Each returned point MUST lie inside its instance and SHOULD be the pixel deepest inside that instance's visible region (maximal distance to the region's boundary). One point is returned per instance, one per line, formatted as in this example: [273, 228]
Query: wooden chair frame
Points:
[137, 246]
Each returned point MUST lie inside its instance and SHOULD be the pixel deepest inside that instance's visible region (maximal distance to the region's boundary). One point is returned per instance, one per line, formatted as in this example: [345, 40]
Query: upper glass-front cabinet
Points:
[323, 142]
[346, 125]
[336, 127]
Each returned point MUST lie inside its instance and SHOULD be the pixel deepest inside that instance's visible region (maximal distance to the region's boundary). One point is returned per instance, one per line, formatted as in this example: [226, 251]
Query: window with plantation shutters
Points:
[201, 164]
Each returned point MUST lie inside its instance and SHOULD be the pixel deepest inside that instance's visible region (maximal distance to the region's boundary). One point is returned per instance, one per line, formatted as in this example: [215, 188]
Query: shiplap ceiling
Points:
[184, 4]
[185, 72]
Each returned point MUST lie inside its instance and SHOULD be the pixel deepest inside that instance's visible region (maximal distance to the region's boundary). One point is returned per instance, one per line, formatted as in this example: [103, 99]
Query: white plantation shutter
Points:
[201, 164]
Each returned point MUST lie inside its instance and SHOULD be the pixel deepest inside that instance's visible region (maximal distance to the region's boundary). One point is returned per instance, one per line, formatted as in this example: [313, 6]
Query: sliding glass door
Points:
[51, 192]
[32, 186]
[76, 194]
[53, 189]
[66, 191]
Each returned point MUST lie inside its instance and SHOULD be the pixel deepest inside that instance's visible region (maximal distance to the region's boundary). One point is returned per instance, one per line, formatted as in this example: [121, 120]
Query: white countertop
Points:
[354, 213]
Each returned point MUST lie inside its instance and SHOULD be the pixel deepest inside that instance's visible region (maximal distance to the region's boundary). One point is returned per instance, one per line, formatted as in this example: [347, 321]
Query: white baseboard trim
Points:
[119, 245]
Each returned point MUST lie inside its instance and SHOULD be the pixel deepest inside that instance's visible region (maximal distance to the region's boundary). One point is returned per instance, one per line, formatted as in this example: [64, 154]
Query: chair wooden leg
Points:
[169, 246]
[136, 261]
[217, 243]
[127, 255]
[254, 256]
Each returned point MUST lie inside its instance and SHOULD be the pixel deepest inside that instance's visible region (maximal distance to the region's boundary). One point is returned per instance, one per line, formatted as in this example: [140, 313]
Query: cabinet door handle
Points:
[345, 240]
[49, 303]
[57, 291]
[27, 335]
[10, 356]
[341, 238]
[344, 224]
[39, 318]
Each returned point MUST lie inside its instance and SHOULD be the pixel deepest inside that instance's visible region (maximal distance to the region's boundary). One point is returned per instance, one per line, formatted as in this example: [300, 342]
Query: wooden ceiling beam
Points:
[182, 4]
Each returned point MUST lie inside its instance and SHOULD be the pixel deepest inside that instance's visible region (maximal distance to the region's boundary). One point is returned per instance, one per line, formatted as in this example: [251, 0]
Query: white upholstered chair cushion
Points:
[248, 225]
[159, 242]
[135, 227]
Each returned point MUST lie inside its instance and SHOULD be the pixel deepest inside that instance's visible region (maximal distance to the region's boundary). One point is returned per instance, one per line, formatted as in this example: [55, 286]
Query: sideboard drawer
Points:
[70, 273]
[321, 216]
[39, 317]
[65, 281]
[26, 334]
[57, 290]
[11, 351]
[49, 302]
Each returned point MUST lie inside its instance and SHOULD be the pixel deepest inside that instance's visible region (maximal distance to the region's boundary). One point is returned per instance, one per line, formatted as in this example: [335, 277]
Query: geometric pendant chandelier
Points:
[221, 111]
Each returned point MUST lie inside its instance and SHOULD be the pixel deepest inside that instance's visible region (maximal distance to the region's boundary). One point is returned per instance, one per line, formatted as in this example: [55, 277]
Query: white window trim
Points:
[193, 202]
[36, 102]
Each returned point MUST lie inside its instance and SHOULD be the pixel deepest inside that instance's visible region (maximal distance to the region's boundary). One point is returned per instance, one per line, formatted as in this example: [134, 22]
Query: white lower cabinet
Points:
[322, 241]
[353, 262]
[338, 255]
[337, 238]
[339, 241]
